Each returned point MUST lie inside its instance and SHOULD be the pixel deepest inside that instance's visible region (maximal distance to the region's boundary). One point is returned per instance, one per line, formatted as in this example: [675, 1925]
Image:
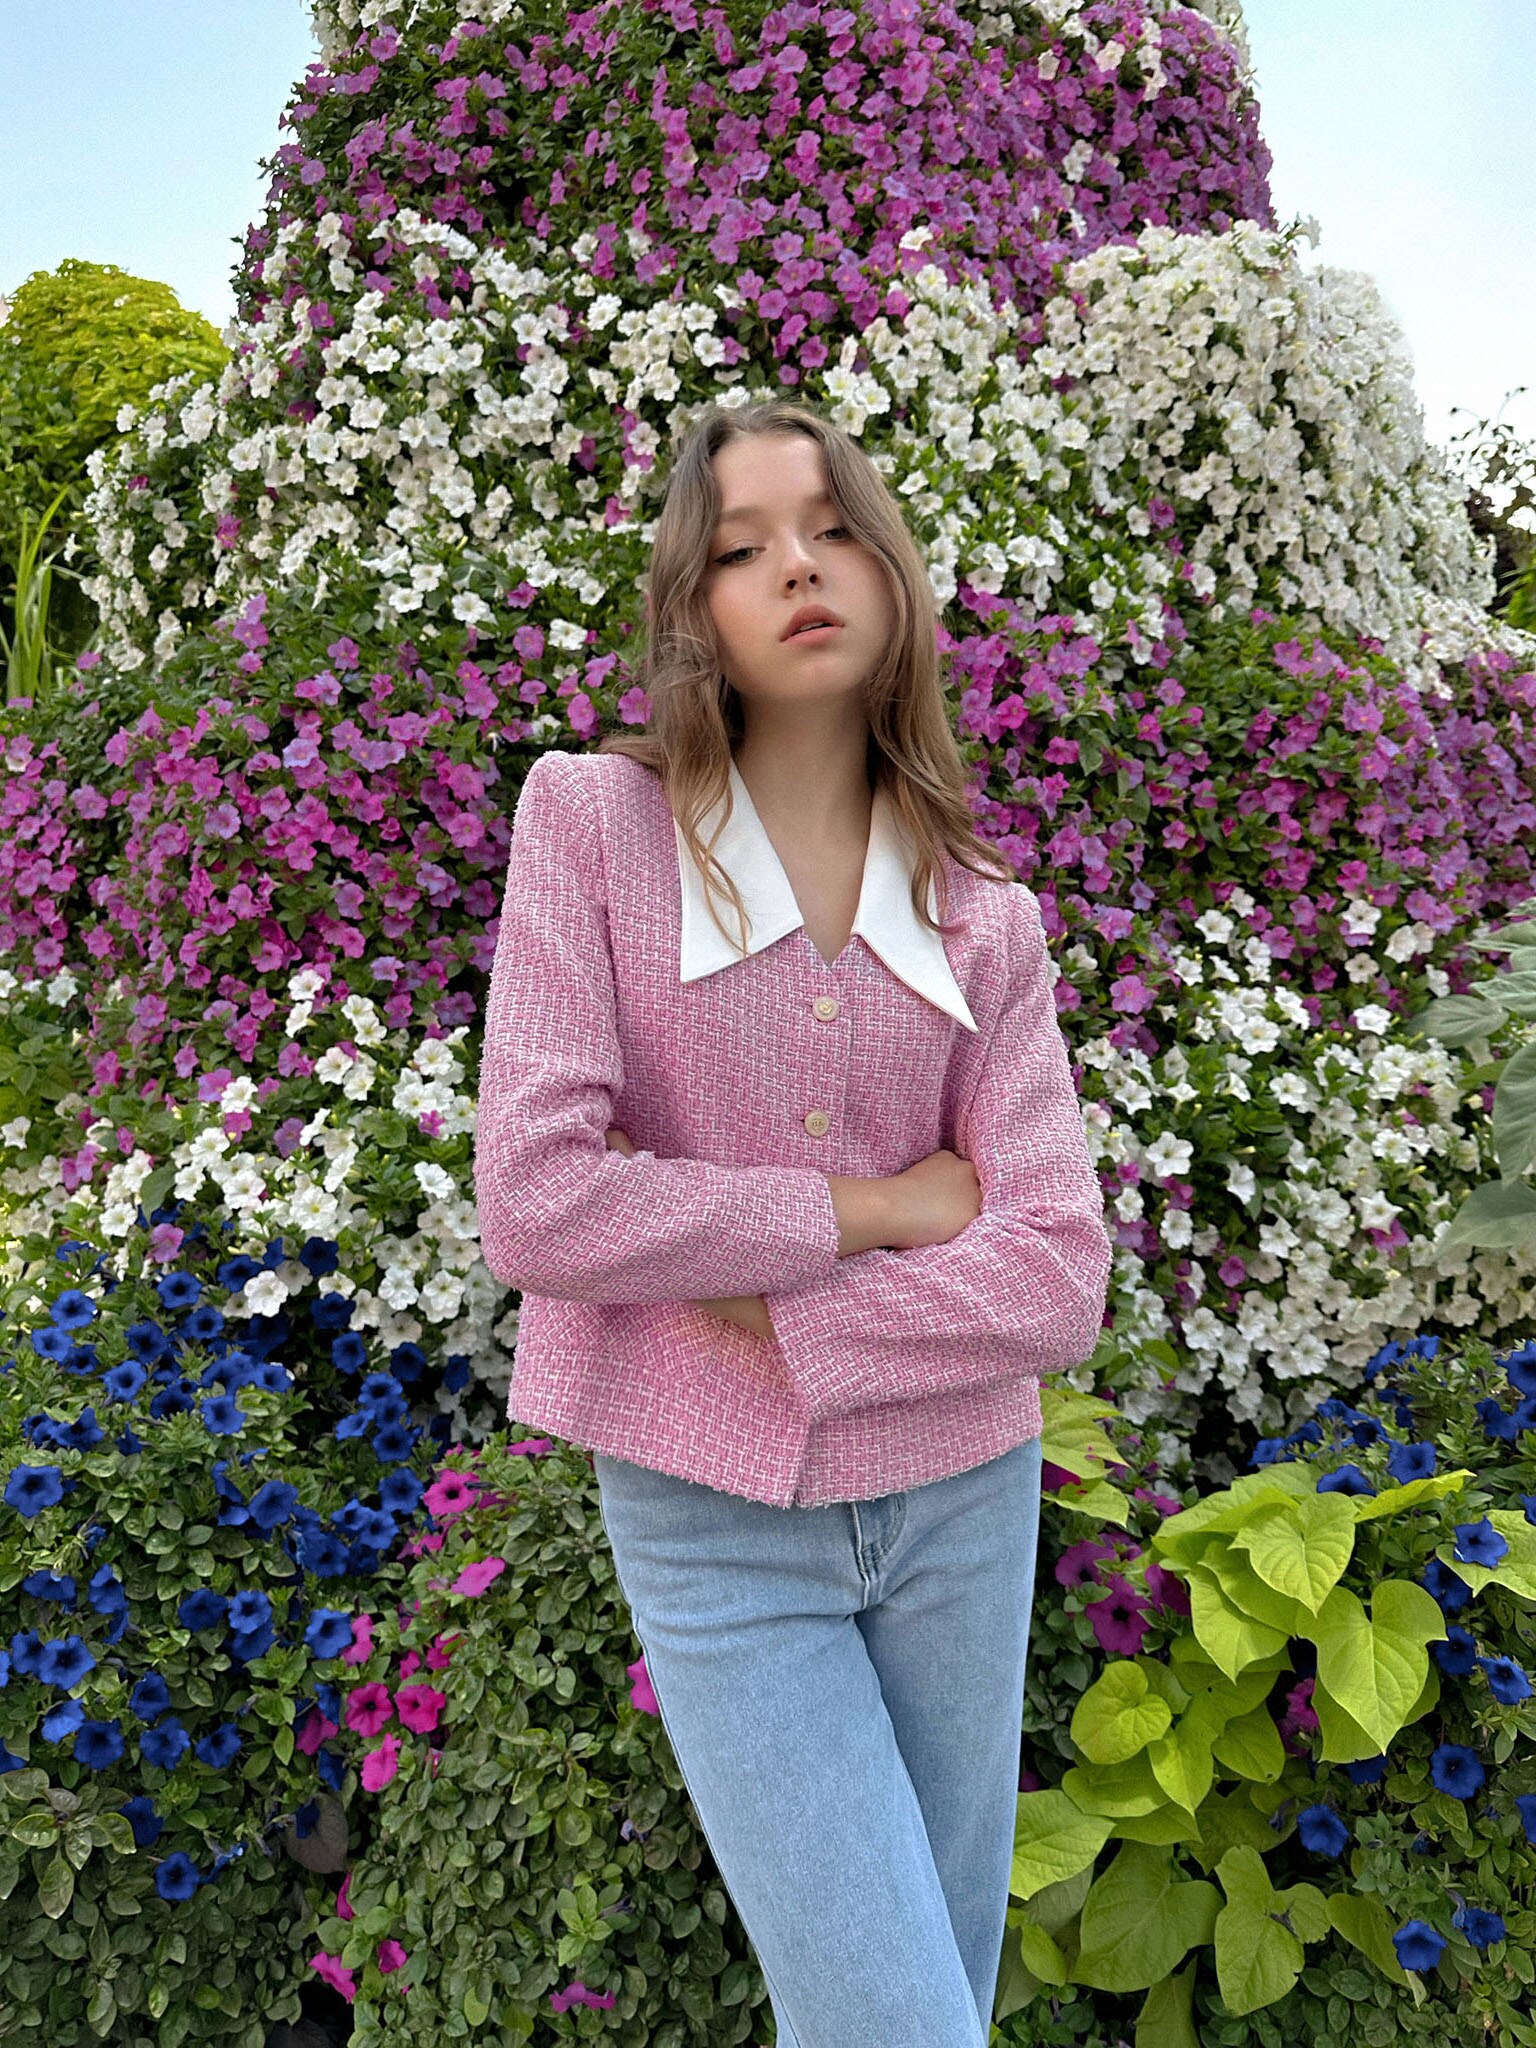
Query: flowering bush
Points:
[1305, 1745]
[183, 1517]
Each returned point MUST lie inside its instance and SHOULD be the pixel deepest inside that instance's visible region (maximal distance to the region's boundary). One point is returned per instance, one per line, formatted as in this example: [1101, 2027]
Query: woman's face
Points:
[779, 545]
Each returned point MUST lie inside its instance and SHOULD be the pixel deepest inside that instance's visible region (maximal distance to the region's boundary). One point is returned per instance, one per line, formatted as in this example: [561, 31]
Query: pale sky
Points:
[131, 131]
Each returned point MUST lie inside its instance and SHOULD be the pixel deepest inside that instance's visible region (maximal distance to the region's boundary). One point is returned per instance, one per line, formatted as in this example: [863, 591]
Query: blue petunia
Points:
[245, 1645]
[142, 1818]
[1411, 1461]
[222, 1415]
[1479, 1543]
[150, 1697]
[31, 1488]
[396, 1440]
[1497, 1424]
[331, 1767]
[272, 1504]
[99, 1743]
[219, 1748]
[47, 1585]
[1521, 1369]
[124, 1381]
[1418, 1946]
[178, 1877]
[1369, 1771]
[105, 1592]
[59, 1725]
[400, 1492]
[1322, 1831]
[1525, 1806]
[328, 1632]
[165, 1744]
[1457, 1770]
[1347, 1479]
[202, 1609]
[1481, 1928]
[1506, 1681]
[249, 1610]
[1446, 1586]
[64, 1662]
[1457, 1654]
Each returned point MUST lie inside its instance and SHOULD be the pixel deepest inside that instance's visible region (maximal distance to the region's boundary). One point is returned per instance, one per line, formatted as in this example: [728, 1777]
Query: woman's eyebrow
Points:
[752, 511]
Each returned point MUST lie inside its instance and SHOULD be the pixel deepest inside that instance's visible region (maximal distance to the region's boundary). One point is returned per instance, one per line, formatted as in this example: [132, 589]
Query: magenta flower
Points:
[1164, 1589]
[335, 1973]
[381, 1764]
[641, 1694]
[312, 1731]
[343, 1900]
[391, 1957]
[1119, 1621]
[1079, 1565]
[477, 1576]
[419, 1707]
[362, 1640]
[368, 1708]
[451, 1493]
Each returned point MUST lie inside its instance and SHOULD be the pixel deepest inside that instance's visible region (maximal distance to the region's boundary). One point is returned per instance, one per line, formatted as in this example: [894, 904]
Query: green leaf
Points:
[1166, 2019]
[1363, 1920]
[1040, 1954]
[1232, 1639]
[1098, 1500]
[1181, 1759]
[1053, 1839]
[35, 1830]
[1258, 1956]
[1412, 1493]
[1118, 1715]
[1302, 1549]
[1117, 1790]
[476, 2011]
[1221, 1513]
[57, 1888]
[1376, 1668]
[1515, 1569]
[1140, 1920]
[1250, 1747]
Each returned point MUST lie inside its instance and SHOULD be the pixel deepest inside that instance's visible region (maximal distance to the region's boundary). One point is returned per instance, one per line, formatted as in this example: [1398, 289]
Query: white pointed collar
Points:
[885, 919]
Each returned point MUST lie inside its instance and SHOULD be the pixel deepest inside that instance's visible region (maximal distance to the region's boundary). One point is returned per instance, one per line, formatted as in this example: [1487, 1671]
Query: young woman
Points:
[802, 1209]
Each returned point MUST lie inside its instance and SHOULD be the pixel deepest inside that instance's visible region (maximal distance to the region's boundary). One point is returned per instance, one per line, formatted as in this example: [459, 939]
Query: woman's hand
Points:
[747, 1311]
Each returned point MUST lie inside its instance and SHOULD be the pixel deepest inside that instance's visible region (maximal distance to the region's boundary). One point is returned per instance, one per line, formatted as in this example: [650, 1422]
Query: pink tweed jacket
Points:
[743, 1081]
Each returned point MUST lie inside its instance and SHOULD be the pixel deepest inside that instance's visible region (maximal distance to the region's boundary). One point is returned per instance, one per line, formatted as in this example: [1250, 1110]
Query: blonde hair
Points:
[697, 716]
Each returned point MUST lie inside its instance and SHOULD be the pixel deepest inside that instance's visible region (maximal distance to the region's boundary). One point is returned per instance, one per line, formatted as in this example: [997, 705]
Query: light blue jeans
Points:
[843, 1689]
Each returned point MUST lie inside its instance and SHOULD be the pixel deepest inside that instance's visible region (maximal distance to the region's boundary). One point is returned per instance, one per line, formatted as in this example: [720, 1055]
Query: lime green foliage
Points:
[81, 342]
[1167, 1860]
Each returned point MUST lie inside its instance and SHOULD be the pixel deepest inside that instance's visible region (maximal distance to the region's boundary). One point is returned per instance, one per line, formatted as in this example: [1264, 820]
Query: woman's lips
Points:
[812, 633]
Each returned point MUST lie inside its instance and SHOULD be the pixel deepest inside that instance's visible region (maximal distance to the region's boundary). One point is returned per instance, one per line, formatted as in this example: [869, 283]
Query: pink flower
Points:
[641, 1694]
[451, 1493]
[419, 1707]
[578, 1994]
[1053, 1477]
[312, 1731]
[381, 1764]
[362, 1640]
[1164, 1590]
[1079, 1565]
[440, 1651]
[1119, 1621]
[335, 1973]
[343, 1898]
[410, 1662]
[391, 1956]
[477, 1576]
[368, 1708]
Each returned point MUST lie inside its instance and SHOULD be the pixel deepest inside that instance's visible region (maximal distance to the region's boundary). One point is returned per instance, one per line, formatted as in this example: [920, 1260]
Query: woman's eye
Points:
[722, 560]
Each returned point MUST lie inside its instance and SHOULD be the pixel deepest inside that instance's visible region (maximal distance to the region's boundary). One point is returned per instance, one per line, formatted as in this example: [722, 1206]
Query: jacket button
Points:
[817, 1122]
[826, 1006]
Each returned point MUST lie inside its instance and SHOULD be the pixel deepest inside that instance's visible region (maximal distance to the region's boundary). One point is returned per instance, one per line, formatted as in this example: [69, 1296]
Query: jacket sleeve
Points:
[560, 1214]
[1022, 1289]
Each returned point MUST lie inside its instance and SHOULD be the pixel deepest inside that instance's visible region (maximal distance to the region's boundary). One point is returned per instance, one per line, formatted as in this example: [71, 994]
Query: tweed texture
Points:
[888, 1369]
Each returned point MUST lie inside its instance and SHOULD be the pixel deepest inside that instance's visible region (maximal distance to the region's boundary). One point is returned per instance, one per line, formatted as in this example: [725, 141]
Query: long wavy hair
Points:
[697, 716]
